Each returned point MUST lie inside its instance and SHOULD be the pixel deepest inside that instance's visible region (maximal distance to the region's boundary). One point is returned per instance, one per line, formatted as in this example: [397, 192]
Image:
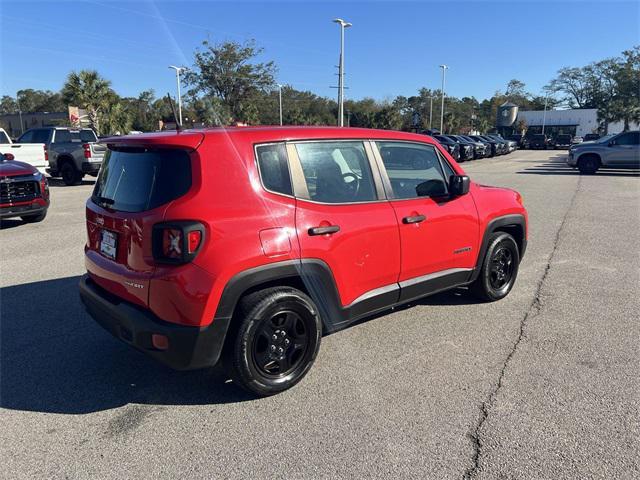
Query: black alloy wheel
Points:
[499, 268]
[273, 341]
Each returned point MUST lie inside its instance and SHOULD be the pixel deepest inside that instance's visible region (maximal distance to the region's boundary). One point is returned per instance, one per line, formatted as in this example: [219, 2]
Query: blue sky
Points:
[393, 48]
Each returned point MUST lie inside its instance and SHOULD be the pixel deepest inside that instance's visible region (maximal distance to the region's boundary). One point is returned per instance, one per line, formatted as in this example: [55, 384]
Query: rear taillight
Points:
[46, 154]
[177, 242]
[87, 150]
[44, 187]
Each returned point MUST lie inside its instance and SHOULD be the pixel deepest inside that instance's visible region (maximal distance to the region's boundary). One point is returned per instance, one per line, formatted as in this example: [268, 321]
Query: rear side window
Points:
[4, 138]
[336, 172]
[88, 136]
[26, 137]
[40, 136]
[135, 180]
[274, 168]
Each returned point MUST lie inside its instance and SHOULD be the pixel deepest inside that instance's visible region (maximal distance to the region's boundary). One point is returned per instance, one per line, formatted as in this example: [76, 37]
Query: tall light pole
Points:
[544, 113]
[178, 71]
[343, 25]
[444, 69]
[280, 101]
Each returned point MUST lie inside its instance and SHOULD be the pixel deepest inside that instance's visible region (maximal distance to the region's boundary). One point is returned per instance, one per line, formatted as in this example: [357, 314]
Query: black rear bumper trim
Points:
[189, 347]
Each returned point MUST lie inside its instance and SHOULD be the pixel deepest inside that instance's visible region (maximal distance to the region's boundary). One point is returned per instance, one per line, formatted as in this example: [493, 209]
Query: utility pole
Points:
[444, 69]
[544, 114]
[280, 101]
[178, 71]
[343, 25]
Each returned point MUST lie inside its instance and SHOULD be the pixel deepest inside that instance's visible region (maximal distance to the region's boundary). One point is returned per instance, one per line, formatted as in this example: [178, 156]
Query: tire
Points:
[34, 218]
[499, 268]
[70, 175]
[275, 340]
[588, 164]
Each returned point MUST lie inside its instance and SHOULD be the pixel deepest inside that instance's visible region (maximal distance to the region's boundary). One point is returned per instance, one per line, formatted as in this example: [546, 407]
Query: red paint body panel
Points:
[363, 255]
[245, 226]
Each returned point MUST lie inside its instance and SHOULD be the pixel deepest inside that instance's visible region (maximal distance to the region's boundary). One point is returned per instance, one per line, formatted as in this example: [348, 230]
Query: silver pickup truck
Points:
[73, 153]
[616, 151]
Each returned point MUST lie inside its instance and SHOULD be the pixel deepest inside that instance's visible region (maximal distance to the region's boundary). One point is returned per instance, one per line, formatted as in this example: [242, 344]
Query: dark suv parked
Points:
[540, 141]
[247, 244]
[467, 150]
[452, 146]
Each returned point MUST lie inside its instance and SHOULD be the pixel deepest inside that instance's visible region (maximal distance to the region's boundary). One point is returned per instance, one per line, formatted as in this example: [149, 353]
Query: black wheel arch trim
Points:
[494, 225]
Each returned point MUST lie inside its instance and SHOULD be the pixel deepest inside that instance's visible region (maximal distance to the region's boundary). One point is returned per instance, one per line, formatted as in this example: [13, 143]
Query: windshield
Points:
[138, 180]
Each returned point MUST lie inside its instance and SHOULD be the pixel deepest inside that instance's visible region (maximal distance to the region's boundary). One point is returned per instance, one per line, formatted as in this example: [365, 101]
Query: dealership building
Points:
[556, 122]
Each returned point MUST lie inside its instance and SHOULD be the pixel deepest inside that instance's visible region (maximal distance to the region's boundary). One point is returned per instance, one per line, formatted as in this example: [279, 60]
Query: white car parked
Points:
[32, 153]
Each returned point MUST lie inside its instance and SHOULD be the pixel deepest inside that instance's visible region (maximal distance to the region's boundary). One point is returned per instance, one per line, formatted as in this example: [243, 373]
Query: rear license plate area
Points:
[108, 244]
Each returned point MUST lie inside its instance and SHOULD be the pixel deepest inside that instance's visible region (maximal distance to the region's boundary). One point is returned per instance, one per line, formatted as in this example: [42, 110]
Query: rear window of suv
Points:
[135, 180]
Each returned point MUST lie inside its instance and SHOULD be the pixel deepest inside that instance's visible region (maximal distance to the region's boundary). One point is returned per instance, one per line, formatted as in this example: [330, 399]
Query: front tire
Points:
[588, 164]
[499, 268]
[275, 342]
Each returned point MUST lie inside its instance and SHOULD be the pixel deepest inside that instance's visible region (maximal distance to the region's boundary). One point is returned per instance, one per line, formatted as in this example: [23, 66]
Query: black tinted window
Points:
[4, 138]
[631, 138]
[336, 172]
[40, 136]
[62, 136]
[274, 168]
[414, 170]
[138, 180]
[88, 136]
[26, 137]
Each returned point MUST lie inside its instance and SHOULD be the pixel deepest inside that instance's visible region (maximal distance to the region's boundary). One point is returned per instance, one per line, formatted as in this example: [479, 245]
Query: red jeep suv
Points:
[247, 244]
[24, 191]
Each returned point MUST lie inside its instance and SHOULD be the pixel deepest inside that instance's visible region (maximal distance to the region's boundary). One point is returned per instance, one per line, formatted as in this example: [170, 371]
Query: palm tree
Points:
[88, 90]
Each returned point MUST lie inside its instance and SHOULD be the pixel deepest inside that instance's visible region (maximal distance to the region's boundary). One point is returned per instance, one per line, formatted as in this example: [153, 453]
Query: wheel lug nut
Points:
[286, 341]
[274, 336]
[273, 348]
[280, 350]
[282, 334]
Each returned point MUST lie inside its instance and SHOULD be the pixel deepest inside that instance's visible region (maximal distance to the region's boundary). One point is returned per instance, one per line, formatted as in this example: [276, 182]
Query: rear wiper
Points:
[105, 200]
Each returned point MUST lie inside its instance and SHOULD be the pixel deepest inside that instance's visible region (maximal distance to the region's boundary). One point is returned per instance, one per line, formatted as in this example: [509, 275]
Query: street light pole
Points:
[343, 25]
[544, 114]
[280, 101]
[178, 70]
[444, 69]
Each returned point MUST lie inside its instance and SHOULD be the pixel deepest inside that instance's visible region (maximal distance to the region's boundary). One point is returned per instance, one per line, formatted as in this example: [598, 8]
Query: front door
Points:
[624, 150]
[343, 219]
[439, 234]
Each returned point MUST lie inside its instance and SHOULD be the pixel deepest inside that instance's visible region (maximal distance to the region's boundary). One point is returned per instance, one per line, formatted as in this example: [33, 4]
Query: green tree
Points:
[229, 71]
[8, 105]
[88, 90]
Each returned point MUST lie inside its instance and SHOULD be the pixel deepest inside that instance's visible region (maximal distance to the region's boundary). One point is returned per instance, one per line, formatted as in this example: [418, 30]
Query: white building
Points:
[583, 120]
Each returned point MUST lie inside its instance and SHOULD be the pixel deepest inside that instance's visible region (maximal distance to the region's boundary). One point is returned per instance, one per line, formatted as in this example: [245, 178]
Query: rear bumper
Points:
[189, 347]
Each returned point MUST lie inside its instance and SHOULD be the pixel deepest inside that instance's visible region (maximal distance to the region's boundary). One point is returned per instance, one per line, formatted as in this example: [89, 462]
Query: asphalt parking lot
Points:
[543, 384]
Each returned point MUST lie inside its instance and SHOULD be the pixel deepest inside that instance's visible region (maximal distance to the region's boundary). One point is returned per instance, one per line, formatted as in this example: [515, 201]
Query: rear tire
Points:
[275, 340]
[70, 175]
[34, 218]
[588, 164]
[499, 268]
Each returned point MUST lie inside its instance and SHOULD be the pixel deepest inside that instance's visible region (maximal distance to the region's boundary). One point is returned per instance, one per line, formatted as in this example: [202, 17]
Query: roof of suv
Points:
[260, 134]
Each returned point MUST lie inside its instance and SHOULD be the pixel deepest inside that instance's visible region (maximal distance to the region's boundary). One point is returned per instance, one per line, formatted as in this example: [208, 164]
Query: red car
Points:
[247, 244]
[24, 191]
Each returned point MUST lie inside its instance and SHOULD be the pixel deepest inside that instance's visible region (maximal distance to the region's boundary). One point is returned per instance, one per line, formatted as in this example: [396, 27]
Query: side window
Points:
[414, 170]
[40, 136]
[62, 136]
[448, 171]
[631, 138]
[274, 168]
[26, 137]
[336, 172]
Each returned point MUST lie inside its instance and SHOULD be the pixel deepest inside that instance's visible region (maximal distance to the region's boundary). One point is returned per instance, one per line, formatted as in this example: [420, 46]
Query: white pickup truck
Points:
[32, 153]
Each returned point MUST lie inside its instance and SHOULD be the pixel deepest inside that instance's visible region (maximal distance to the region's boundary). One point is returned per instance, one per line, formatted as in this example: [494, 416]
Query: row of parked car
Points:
[542, 141]
[470, 147]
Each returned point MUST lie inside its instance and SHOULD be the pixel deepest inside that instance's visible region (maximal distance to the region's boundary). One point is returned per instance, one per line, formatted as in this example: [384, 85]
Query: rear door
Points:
[438, 234]
[343, 219]
[132, 193]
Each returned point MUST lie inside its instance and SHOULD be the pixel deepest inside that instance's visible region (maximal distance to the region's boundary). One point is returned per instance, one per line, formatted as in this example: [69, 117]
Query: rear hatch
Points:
[135, 187]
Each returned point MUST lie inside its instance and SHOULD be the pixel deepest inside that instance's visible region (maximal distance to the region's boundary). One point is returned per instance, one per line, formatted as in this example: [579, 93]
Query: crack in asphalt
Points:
[534, 310]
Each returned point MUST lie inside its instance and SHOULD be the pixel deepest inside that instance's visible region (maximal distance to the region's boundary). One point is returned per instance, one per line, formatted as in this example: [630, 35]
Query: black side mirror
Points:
[459, 185]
